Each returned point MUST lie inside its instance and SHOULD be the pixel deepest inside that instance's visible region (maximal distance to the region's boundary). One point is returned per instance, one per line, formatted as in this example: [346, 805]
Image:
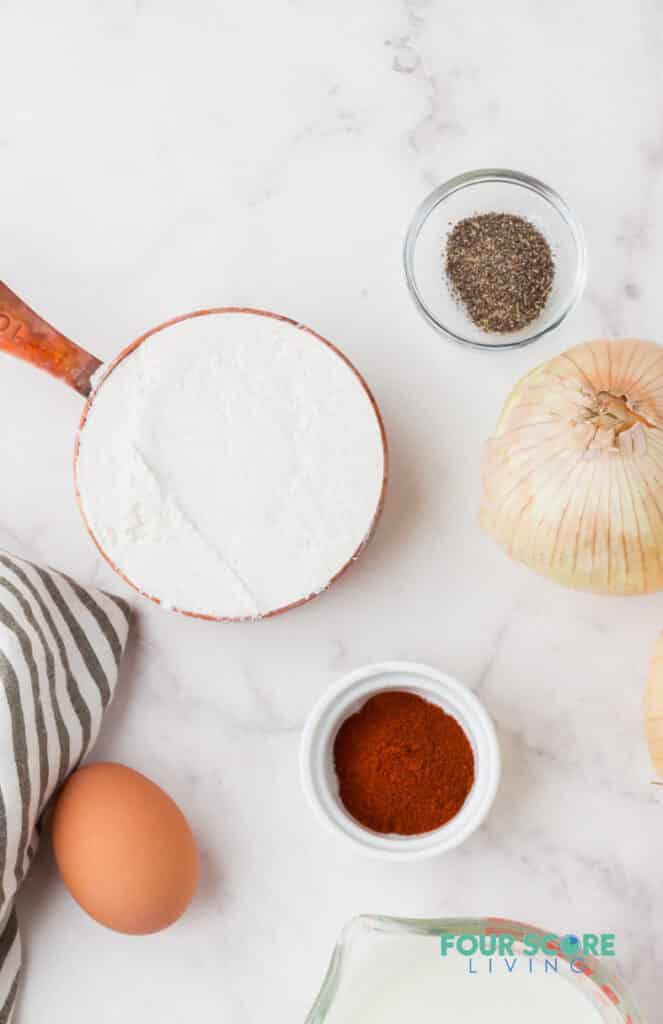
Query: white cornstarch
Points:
[231, 465]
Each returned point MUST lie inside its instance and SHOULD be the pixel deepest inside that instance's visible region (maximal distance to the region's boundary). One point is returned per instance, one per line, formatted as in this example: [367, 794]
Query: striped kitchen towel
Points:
[60, 650]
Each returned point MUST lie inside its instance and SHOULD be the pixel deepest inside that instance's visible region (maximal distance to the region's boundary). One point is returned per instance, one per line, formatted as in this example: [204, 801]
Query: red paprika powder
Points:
[403, 764]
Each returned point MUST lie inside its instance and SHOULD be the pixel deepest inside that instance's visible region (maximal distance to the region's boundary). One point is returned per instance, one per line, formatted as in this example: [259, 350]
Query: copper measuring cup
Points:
[27, 336]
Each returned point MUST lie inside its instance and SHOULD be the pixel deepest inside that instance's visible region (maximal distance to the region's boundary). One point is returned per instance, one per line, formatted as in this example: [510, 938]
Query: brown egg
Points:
[124, 849]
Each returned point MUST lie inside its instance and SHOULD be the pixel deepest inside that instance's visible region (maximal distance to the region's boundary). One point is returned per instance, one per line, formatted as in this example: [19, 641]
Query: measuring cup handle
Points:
[25, 335]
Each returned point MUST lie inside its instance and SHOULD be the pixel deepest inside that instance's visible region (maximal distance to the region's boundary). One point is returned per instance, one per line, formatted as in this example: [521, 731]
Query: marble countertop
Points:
[159, 157]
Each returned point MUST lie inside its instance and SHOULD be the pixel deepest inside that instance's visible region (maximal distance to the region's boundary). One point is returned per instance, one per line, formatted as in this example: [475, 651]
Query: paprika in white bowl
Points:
[401, 760]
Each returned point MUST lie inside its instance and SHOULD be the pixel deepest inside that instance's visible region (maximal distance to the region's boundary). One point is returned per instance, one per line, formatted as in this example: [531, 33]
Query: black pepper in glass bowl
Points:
[494, 259]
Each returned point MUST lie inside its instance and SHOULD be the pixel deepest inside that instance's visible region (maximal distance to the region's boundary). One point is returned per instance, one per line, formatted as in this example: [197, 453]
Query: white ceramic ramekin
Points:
[344, 699]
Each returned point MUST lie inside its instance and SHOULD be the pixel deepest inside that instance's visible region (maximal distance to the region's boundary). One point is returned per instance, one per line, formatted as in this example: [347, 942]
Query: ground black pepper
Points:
[501, 268]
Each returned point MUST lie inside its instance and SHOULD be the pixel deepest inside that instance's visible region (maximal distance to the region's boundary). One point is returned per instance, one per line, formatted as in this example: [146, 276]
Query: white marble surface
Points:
[158, 156]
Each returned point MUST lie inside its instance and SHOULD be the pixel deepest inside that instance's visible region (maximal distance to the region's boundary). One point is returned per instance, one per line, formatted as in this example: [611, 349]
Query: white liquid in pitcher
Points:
[408, 982]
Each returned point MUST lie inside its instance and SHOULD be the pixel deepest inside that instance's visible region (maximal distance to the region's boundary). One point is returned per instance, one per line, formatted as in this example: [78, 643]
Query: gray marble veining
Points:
[159, 157]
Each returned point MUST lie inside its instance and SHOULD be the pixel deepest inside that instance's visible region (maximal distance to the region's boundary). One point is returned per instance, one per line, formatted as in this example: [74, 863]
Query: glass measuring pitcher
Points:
[398, 971]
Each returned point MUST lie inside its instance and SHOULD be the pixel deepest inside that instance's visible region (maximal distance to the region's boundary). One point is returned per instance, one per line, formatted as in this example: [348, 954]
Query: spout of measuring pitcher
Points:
[401, 970]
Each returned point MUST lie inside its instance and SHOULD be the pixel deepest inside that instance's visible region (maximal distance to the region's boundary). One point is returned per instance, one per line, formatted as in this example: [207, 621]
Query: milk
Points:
[405, 980]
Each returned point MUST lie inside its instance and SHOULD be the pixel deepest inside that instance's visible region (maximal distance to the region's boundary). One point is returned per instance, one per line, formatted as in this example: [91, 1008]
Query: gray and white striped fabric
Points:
[60, 651]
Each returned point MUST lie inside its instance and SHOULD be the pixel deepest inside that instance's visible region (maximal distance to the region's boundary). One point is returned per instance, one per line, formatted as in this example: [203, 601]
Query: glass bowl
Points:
[384, 969]
[489, 191]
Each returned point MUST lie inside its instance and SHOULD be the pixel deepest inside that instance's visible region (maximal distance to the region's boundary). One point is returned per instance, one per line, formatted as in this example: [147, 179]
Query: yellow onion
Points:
[573, 478]
[653, 708]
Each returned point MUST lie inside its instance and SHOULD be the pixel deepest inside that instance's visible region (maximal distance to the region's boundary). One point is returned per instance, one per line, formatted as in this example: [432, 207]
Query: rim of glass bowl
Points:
[469, 178]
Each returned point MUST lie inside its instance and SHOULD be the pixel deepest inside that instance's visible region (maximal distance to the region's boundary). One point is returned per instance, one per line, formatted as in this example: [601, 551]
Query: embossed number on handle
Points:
[25, 335]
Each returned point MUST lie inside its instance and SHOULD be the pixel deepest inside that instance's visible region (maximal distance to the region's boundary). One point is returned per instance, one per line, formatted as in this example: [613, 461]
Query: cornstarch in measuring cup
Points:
[231, 465]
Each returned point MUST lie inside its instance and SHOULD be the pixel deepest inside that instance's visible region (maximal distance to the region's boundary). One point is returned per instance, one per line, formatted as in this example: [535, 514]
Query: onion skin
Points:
[653, 708]
[573, 478]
